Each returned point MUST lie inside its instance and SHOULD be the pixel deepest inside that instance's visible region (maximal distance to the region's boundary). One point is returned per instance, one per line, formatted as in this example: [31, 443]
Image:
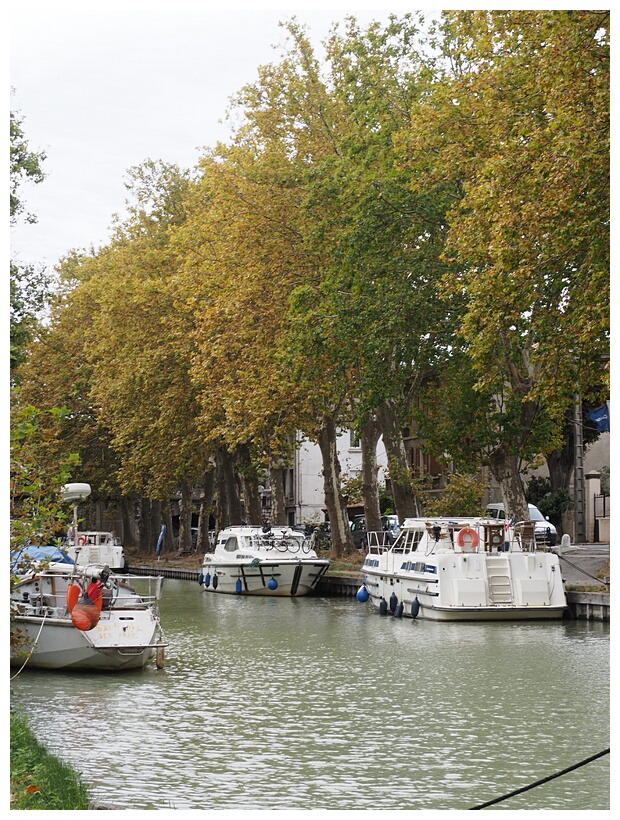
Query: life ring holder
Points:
[467, 532]
[81, 541]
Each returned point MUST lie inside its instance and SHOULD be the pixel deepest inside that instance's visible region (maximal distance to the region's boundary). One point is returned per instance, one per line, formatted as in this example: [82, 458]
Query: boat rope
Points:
[574, 566]
[34, 646]
[540, 782]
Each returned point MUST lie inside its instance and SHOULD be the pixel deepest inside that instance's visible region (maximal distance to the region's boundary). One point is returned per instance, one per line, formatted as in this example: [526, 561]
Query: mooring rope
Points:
[540, 782]
[574, 566]
[34, 646]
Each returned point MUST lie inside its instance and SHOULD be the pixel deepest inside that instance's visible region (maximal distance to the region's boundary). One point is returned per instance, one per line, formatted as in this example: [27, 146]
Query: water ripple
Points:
[321, 703]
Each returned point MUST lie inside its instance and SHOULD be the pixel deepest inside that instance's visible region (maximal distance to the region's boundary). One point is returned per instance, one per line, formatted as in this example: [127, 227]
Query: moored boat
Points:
[262, 561]
[91, 547]
[455, 569]
[65, 616]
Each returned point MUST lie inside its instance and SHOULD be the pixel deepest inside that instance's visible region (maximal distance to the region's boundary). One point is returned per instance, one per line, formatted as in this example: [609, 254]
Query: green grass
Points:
[39, 780]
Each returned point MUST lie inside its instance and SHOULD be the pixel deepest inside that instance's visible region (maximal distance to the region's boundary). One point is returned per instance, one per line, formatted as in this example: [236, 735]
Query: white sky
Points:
[101, 87]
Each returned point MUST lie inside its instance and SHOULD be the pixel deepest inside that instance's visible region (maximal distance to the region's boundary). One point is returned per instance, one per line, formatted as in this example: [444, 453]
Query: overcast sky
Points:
[101, 87]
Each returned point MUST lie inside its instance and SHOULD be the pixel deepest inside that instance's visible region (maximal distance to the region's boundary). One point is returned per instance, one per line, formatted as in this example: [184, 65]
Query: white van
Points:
[544, 530]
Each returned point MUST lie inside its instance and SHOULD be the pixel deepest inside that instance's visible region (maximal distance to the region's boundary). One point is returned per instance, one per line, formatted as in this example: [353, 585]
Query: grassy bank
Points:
[39, 780]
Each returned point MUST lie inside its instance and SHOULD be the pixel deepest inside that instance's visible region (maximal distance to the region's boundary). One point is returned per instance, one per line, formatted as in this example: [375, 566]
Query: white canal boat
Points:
[262, 561]
[91, 547]
[70, 617]
[458, 569]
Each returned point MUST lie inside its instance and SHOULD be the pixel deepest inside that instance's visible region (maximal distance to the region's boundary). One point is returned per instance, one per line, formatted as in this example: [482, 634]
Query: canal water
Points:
[321, 703]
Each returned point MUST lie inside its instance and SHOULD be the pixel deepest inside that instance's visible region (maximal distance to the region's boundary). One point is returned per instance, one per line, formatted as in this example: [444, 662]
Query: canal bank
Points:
[579, 565]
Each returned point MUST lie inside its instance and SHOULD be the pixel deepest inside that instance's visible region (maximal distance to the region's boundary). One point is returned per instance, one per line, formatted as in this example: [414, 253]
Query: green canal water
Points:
[321, 703]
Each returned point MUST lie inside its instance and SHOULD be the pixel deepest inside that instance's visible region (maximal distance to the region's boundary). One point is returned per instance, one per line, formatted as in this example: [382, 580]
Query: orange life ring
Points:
[464, 533]
[81, 541]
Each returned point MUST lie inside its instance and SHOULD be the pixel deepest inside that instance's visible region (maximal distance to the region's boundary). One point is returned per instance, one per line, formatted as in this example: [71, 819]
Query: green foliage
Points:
[382, 228]
[462, 496]
[386, 502]
[30, 287]
[38, 474]
[551, 504]
[39, 779]
[25, 166]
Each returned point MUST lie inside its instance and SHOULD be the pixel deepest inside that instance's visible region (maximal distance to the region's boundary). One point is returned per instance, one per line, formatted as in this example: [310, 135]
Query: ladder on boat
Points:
[498, 577]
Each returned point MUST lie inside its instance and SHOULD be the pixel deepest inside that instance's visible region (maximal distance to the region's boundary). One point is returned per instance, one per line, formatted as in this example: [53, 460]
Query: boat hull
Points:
[431, 612]
[125, 642]
[292, 578]
[468, 586]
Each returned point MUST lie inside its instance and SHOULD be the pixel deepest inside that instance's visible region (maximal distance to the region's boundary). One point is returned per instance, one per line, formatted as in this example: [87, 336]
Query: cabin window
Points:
[231, 544]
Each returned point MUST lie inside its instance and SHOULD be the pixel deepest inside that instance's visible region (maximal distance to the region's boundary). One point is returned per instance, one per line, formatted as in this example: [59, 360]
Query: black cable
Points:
[582, 571]
[539, 782]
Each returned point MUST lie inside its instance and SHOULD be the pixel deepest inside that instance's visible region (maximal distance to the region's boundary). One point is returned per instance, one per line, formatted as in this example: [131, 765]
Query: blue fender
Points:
[415, 608]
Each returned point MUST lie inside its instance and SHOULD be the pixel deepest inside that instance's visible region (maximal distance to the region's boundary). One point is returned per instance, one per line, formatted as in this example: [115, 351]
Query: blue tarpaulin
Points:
[37, 553]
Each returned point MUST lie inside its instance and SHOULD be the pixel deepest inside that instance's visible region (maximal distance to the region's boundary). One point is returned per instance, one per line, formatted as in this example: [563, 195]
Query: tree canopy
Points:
[404, 220]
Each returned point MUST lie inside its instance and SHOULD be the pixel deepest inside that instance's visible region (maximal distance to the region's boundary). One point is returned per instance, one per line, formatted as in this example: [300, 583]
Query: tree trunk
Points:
[169, 538]
[228, 502]
[206, 508]
[342, 543]
[185, 515]
[405, 500]
[371, 433]
[145, 524]
[278, 501]
[249, 481]
[561, 464]
[506, 469]
[154, 525]
[131, 537]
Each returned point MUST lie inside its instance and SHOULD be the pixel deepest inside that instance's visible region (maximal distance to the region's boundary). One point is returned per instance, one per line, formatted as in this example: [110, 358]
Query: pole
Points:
[580, 532]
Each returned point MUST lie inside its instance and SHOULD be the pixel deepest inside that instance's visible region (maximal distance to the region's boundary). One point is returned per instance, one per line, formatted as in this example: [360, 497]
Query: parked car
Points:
[544, 531]
[358, 529]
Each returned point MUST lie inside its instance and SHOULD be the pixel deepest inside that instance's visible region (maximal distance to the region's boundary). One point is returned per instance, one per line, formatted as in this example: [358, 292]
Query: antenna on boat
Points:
[75, 493]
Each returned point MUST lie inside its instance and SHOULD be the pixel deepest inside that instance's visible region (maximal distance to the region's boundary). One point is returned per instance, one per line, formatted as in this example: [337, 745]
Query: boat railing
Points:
[479, 535]
[379, 542]
[143, 592]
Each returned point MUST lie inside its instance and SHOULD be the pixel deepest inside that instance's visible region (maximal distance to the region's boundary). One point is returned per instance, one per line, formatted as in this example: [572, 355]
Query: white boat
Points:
[457, 569]
[70, 617]
[262, 561]
[91, 547]
[96, 548]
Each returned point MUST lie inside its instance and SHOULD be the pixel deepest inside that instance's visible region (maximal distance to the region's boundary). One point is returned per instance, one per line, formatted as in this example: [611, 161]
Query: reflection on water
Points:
[312, 703]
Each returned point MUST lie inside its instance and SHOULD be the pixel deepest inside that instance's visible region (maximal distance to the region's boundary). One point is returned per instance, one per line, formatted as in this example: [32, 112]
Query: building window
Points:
[354, 440]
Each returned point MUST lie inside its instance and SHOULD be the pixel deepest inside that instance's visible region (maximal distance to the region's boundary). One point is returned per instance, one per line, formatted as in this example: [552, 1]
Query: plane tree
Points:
[377, 297]
[521, 122]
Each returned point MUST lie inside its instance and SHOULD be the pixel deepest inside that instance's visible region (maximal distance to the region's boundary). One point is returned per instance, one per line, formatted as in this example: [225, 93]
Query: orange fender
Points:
[73, 593]
[85, 616]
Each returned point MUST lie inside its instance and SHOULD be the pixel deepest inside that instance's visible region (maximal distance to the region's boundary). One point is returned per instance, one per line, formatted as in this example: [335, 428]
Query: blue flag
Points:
[601, 418]
[160, 540]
